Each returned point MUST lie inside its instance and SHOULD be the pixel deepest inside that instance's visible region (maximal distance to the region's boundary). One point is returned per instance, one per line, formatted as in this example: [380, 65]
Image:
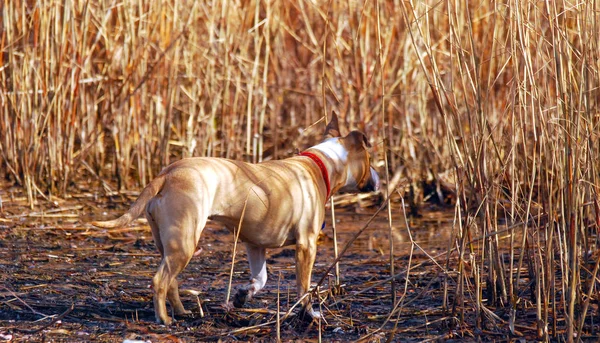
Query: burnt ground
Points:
[64, 280]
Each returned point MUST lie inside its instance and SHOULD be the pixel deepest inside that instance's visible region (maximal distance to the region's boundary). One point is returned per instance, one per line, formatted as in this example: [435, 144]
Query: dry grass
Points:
[497, 99]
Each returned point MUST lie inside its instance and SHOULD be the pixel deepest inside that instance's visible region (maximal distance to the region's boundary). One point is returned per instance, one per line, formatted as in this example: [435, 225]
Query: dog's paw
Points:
[242, 296]
[183, 313]
[167, 321]
[316, 314]
[308, 314]
[228, 306]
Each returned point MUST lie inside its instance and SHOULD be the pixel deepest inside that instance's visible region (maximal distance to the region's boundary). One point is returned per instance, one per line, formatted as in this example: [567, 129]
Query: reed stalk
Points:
[488, 106]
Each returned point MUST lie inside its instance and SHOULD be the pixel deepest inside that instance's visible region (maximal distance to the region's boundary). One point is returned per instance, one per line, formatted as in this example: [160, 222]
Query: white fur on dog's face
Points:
[335, 150]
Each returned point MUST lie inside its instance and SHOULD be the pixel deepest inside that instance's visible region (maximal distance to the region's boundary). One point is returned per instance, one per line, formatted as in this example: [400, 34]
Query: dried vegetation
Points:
[491, 107]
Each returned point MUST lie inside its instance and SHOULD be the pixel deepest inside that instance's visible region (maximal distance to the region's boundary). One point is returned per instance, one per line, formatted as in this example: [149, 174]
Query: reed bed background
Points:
[491, 106]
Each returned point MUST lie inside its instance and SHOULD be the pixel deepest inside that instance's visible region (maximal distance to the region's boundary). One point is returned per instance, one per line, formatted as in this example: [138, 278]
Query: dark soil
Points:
[64, 280]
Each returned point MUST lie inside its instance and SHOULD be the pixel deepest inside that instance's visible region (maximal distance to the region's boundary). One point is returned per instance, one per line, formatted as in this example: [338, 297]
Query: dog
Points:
[275, 203]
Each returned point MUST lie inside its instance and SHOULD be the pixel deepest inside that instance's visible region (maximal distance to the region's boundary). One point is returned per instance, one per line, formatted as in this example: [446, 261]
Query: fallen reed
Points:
[491, 106]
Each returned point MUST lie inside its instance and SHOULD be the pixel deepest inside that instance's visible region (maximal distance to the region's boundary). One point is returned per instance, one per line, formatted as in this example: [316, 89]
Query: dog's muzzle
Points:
[372, 184]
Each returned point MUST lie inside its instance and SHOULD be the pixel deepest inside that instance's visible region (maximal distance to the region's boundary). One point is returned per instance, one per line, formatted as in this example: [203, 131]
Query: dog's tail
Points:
[138, 206]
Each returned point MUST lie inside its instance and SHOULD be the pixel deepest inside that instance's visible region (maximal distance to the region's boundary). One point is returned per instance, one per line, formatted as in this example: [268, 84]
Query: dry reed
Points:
[494, 101]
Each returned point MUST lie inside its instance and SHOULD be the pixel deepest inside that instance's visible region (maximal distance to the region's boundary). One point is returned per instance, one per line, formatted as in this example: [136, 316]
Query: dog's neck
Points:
[322, 167]
[335, 158]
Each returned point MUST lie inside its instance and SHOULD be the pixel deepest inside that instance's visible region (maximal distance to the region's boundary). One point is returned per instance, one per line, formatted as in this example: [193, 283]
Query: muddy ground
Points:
[64, 280]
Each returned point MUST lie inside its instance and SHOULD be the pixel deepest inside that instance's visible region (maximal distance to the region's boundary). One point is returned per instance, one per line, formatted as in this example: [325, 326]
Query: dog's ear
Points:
[332, 130]
[357, 139]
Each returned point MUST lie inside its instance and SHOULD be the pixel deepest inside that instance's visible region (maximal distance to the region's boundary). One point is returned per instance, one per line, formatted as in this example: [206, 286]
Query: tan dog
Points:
[279, 203]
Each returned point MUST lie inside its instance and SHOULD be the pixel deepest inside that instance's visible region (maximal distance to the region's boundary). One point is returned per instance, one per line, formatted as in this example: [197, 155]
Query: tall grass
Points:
[498, 99]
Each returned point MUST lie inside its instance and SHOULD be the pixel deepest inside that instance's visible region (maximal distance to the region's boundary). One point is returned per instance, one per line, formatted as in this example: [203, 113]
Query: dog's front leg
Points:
[306, 251]
[258, 268]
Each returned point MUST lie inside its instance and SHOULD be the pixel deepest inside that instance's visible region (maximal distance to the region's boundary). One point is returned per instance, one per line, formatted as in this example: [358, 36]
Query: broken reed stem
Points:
[24, 303]
[236, 235]
[385, 158]
[335, 243]
[278, 320]
[319, 319]
[47, 325]
[324, 100]
[285, 316]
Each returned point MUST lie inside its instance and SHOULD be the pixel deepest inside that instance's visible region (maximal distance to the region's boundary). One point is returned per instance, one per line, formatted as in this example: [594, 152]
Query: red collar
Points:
[321, 165]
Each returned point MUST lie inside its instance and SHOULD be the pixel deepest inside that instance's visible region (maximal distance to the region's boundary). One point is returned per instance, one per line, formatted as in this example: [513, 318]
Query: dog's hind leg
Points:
[169, 267]
[174, 300]
[258, 269]
[176, 243]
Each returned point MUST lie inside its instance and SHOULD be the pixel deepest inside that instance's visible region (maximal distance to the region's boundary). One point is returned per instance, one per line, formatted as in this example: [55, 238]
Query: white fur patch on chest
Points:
[333, 149]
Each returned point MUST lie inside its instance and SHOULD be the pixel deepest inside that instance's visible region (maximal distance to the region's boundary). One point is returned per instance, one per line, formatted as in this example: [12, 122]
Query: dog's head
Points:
[353, 151]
